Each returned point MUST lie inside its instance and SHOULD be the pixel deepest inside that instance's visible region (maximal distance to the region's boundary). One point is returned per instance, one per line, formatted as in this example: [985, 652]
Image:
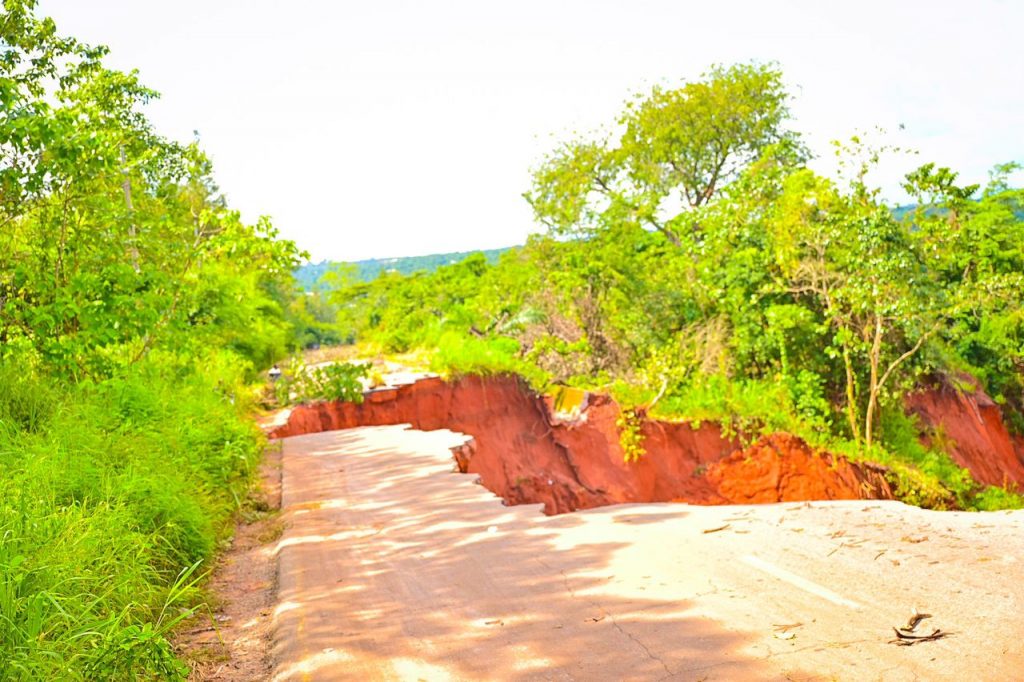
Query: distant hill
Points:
[309, 274]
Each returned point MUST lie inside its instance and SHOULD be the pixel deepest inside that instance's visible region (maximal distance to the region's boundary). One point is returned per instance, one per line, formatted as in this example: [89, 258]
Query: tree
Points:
[976, 244]
[870, 276]
[94, 276]
[678, 149]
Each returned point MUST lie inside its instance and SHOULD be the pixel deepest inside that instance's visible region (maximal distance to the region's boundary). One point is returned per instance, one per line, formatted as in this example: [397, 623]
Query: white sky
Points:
[390, 128]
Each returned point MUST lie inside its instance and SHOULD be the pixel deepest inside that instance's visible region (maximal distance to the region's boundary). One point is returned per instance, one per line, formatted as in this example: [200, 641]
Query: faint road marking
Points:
[802, 583]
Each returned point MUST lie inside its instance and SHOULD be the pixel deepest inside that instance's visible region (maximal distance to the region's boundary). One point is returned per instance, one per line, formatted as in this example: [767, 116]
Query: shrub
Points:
[460, 354]
[335, 381]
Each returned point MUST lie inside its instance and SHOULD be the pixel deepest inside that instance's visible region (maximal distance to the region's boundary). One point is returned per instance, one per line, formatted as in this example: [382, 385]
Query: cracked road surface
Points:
[393, 567]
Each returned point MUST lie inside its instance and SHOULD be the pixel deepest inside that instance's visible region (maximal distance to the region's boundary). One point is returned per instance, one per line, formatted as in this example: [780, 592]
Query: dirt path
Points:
[231, 641]
[392, 567]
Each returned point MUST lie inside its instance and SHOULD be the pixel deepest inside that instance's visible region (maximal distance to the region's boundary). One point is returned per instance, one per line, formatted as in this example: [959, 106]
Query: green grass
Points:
[458, 354]
[113, 496]
[743, 408]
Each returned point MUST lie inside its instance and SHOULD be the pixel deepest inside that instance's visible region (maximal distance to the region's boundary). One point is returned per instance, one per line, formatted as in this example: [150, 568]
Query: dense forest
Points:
[689, 261]
[694, 265]
[310, 275]
[135, 310]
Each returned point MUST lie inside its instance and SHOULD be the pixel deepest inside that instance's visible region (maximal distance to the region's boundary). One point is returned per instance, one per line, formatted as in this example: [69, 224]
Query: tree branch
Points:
[898, 361]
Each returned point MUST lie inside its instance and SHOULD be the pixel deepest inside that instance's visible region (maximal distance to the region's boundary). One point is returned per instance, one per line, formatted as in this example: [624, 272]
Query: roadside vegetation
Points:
[136, 310]
[695, 266]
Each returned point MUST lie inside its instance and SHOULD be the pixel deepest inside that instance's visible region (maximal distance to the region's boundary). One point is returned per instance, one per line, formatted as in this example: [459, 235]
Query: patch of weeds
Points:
[210, 653]
[459, 355]
[631, 437]
[339, 381]
[272, 531]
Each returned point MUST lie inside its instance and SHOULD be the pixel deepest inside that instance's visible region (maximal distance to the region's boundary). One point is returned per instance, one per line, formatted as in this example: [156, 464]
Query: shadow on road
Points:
[393, 568]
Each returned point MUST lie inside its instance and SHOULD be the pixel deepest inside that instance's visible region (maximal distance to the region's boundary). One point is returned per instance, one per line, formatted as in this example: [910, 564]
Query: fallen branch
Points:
[903, 639]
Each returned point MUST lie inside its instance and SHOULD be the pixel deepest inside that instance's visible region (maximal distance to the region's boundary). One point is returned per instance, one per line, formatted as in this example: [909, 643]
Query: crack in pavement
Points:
[643, 646]
[610, 617]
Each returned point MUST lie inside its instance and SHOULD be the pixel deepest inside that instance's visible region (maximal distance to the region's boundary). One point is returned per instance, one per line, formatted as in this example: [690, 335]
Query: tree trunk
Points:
[133, 249]
[873, 387]
[851, 396]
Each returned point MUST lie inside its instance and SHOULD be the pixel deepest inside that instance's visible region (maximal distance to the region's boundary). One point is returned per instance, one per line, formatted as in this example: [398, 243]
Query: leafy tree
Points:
[116, 236]
[976, 244]
[678, 149]
[868, 277]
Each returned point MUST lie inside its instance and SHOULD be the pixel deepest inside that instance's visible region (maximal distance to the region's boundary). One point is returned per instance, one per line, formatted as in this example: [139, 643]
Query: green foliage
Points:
[993, 498]
[458, 355]
[134, 305]
[631, 439]
[25, 402]
[115, 238]
[336, 381]
[401, 313]
[683, 144]
[109, 504]
[339, 381]
[747, 408]
[926, 477]
[914, 487]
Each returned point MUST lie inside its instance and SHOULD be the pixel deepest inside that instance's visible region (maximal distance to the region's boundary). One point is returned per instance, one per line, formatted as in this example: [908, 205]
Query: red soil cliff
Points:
[969, 426]
[525, 455]
[783, 468]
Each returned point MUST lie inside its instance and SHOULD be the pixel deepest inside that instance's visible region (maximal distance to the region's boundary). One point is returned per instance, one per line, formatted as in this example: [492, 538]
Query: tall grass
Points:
[113, 496]
[460, 354]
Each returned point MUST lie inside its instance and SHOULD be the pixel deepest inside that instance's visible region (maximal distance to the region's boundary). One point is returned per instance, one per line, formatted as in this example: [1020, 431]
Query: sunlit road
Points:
[394, 568]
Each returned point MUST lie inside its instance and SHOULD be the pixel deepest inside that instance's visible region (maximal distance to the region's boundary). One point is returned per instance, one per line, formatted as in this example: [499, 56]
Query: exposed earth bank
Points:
[969, 426]
[524, 453]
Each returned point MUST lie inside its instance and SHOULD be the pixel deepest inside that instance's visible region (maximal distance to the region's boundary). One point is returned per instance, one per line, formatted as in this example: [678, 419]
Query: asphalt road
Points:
[393, 567]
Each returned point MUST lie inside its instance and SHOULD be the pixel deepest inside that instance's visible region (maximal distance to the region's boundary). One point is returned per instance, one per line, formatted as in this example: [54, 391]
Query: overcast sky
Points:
[391, 128]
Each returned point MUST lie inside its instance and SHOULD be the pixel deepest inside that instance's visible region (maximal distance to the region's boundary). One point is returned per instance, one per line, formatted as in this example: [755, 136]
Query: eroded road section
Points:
[393, 567]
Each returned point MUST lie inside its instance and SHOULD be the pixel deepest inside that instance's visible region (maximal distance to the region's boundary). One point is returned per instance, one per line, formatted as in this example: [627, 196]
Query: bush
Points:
[337, 381]
[746, 408]
[25, 402]
[459, 354]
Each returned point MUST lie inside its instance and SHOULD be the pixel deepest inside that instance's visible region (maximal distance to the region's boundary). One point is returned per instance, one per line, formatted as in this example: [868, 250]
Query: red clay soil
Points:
[783, 468]
[969, 427]
[524, 454]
